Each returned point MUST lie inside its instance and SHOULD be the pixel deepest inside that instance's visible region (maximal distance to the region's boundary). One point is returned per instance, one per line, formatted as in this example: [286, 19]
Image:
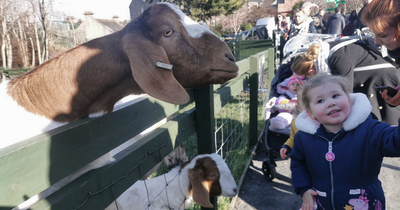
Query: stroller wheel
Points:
[268, 170]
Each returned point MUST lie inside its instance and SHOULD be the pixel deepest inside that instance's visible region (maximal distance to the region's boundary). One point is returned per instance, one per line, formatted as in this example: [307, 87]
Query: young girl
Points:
[339, 148]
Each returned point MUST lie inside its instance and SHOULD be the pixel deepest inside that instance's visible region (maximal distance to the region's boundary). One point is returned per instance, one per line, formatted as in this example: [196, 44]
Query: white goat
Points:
[203, 176]
[160, 53]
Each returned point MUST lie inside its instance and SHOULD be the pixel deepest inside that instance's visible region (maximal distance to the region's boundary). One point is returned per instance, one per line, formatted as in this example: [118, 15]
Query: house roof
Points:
[114, 26]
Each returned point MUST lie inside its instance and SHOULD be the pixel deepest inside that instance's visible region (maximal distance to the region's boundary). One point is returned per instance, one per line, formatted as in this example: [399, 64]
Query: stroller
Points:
[275, 138]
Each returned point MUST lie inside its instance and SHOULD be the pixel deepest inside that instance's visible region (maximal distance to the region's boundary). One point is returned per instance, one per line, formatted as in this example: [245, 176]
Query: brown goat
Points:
[160, 53]
[92, 77]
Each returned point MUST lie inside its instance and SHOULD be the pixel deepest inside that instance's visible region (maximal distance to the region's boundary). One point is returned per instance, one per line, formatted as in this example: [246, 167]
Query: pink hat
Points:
[295, 78]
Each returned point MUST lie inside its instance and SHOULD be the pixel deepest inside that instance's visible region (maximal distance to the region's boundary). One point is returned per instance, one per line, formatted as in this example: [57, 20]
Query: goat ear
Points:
[157, 82]
[200, 188]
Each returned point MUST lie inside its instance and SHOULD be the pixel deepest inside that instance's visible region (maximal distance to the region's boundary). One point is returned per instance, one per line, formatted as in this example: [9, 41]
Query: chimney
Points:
[88, 14]
[115, 18]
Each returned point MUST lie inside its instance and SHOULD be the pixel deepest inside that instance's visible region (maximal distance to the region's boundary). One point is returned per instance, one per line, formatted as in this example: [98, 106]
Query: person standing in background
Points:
[360, 25]
[302, 24]
[282, 25]
[353, 18]
[349, 28]
[319, 24]
[336, 22]
[283, 28]
[325, 21]
[306, 7]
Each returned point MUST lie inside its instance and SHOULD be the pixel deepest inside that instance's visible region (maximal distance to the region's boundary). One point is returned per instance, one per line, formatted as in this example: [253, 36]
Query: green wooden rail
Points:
[10, 73]
[245, 48]
[35, 164]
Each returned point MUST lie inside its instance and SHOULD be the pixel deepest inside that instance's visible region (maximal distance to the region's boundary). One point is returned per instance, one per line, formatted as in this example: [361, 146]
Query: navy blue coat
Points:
[352, 177]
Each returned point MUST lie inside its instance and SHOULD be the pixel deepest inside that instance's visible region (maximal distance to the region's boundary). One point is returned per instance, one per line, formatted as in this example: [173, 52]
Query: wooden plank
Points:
[123, 173]
[47, 158]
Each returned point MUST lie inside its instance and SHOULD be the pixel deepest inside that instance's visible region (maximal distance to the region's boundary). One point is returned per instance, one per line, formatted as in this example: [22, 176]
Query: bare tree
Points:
[45, 10]
[6, 47]
[258, 13]
[36, 36]
[233, 22]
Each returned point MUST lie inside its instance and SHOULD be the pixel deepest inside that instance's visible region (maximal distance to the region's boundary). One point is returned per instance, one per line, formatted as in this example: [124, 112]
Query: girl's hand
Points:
[308, 200]
[283, 153]
[395, 100]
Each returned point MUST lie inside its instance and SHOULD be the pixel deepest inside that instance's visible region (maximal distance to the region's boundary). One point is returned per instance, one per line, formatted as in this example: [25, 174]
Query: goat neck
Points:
[87, 79]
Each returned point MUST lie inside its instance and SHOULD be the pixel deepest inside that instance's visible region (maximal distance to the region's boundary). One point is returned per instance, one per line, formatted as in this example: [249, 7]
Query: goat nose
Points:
[235, 190]
[230, 57]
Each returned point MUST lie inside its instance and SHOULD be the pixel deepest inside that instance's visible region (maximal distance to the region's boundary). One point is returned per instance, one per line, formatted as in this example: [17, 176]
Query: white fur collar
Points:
[360, 111]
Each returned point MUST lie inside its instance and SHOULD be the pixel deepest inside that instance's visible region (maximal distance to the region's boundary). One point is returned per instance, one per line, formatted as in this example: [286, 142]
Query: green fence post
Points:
[253, 80]
[271, 64]
[205, 125]
[237, 51]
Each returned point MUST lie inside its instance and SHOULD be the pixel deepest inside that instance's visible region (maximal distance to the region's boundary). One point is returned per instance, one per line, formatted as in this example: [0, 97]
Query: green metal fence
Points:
[35, 164]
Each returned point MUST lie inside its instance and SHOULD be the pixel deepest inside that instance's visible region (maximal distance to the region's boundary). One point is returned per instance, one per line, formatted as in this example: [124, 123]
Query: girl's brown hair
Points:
[304, 62]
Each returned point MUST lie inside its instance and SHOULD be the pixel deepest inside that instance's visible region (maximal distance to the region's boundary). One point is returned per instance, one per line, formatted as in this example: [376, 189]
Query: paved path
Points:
[257, 193]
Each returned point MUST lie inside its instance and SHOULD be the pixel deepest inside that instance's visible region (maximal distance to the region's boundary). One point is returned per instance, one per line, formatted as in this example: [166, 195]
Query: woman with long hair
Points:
[383, 19]
[301, 24]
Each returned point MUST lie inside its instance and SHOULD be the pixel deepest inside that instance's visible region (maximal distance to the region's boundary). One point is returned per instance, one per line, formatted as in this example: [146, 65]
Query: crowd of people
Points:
[323, 22]
[343, 131]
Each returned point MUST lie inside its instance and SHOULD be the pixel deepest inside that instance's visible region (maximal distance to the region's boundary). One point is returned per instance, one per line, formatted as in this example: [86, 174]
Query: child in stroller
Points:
[285, 104]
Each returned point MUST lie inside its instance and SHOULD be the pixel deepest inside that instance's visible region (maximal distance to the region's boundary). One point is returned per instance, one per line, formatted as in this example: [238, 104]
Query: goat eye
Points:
[213, 176]
[168, 32]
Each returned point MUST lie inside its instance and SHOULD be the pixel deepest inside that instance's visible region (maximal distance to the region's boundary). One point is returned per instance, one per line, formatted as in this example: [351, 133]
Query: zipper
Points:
[330, 149]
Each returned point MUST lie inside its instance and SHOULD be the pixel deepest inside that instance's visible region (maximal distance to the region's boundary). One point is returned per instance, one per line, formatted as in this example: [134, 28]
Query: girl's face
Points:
[329, 105]
[388, 38]
[294, 87]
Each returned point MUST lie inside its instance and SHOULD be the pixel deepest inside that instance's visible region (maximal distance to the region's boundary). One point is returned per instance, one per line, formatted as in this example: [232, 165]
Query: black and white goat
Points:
[160, 53]
[203, 176]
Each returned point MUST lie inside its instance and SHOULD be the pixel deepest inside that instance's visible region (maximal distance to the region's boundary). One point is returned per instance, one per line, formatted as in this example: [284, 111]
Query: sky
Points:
[102, 9]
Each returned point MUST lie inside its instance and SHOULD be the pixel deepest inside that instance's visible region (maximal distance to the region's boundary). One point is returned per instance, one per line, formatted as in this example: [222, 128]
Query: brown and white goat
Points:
[203, 176]
[160, 53]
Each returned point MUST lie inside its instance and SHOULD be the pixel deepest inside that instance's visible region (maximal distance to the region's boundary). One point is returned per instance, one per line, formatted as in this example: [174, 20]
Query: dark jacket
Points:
[319, 24]
[324, 22]
[349, 61]
[351, 178]
[336, 24]
[359, 23]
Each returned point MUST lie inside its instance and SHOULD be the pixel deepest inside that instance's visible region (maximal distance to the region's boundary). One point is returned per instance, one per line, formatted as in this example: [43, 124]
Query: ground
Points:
[256, 193]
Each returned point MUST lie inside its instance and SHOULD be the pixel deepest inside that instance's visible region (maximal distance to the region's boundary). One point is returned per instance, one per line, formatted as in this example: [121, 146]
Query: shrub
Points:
[246, 27]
